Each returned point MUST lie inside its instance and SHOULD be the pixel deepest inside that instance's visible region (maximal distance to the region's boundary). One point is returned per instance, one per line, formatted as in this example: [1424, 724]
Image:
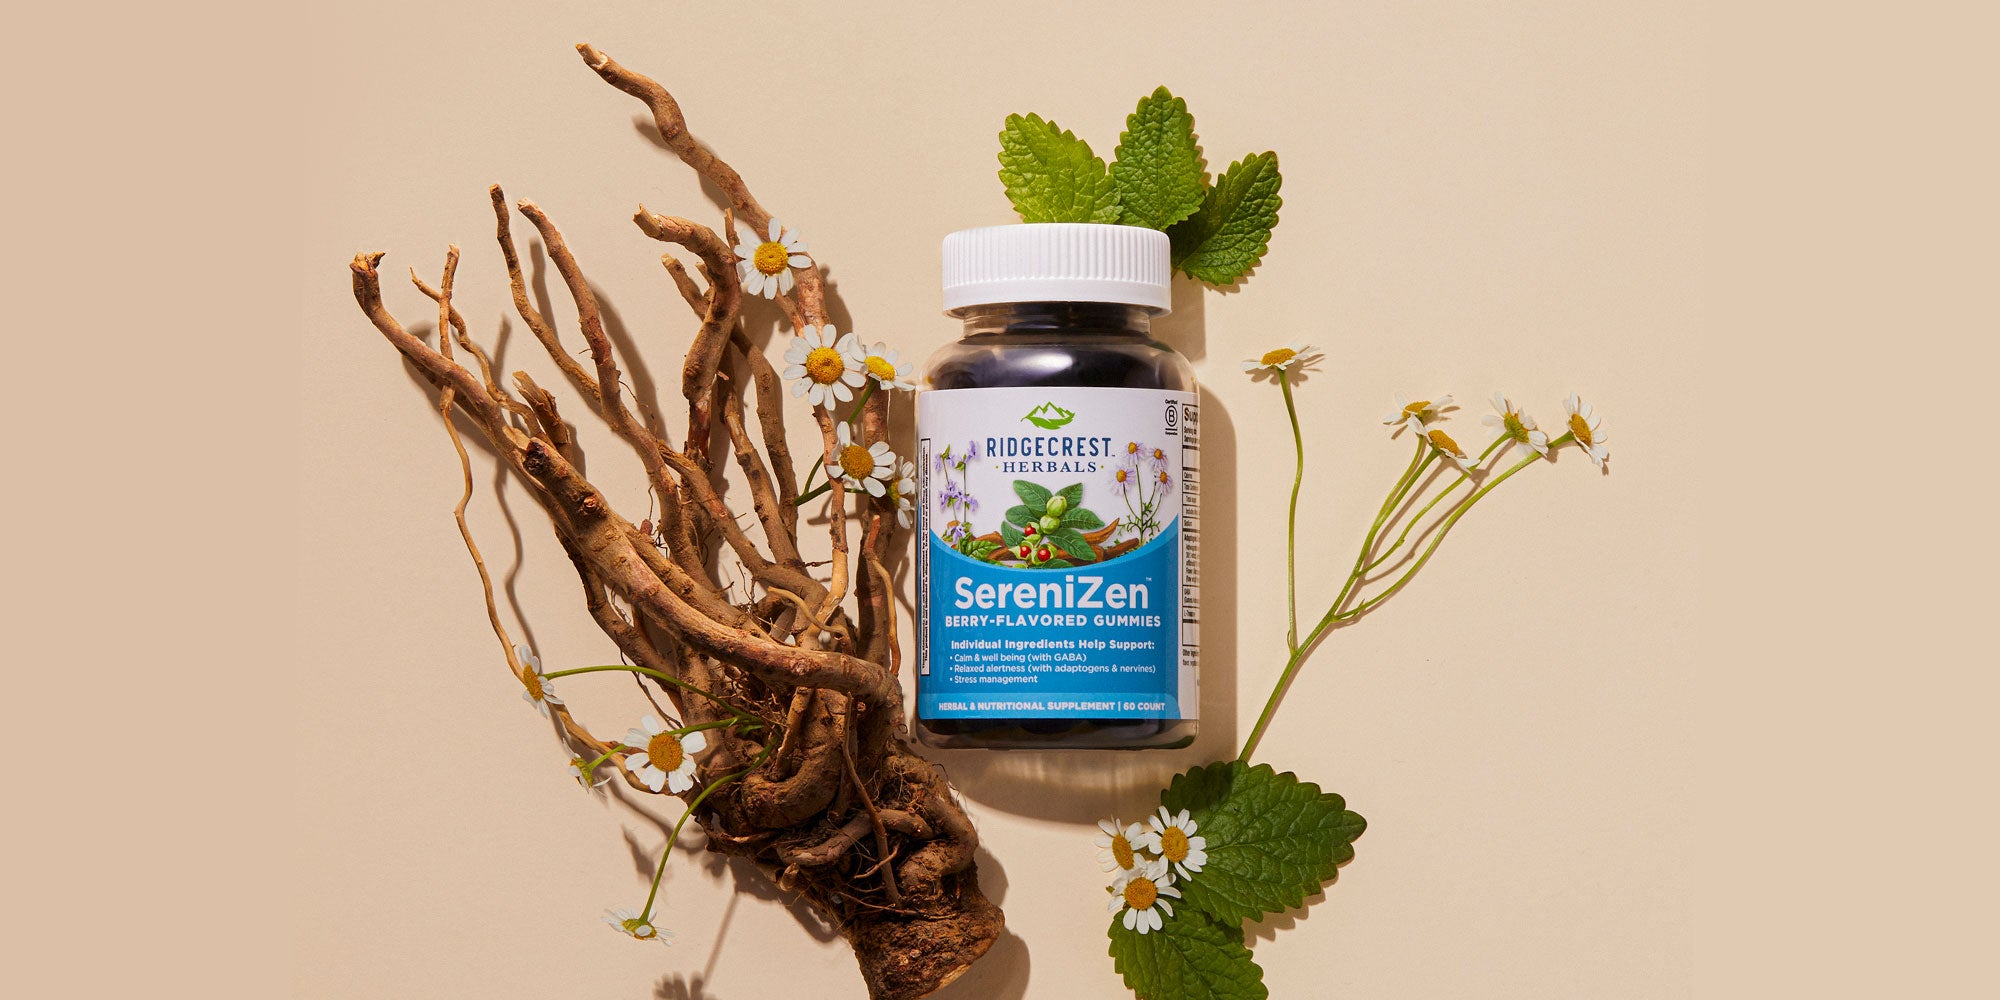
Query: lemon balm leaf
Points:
[1068, 540]
[1072, 495]
[1052, 176]
[1034, 495]
[1158, 170]
[1191, 956]
[1228, 235]
[1082, 518]
[1272, 839]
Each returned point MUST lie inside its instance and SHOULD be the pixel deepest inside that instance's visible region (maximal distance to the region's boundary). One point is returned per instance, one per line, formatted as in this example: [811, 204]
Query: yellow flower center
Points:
[770, 258]
[856, 461]
[1131, 447]
[639, 928]
[1121, 851]
[1159, 456]
[534, 683]
[1443, 442]
[664, 752]
[1581, 428]
[1163, 478]
[1140, 892]
[1515, 429]
[1174, 845]
[1279, 356]
[1120, 475]
[1417, 408]
[880, 368]
[825, 365]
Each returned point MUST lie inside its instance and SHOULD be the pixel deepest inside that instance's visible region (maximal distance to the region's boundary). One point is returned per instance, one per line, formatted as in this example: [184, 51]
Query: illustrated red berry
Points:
[1029, 530]
[1043, 553]
[1025, 549]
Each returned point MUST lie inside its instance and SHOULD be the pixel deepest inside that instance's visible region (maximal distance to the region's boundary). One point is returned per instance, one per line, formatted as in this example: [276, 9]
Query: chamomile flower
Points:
[1588, 428]
[861, 466]
[1415, 413]
[766, 267]
[824, 366]
[1172, 838]
[1142, 894]
[628, 922]
[879, 362]
[1158, 456]
[1445, 446]
[1280, 359]
[668, 757]
[1516, 425]
[535, 688]
[1118, 846]
[1124, 477]
[903, 490]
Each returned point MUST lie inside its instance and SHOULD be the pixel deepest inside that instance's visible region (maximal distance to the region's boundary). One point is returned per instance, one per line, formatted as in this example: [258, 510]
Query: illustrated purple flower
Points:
[972, 451]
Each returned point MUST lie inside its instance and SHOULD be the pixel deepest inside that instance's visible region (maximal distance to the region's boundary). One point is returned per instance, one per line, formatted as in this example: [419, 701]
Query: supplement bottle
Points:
[1058, 489]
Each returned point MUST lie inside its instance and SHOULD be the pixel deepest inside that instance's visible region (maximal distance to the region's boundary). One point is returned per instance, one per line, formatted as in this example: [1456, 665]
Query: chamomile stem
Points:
[648, 671]
[1462, 478]
[652, 894]
[1419, 462]
[1292, 517]
[860, 398]
[1444, 528]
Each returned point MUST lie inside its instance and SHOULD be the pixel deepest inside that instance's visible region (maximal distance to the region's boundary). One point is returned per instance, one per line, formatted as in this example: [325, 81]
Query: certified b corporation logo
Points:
[1049, 416]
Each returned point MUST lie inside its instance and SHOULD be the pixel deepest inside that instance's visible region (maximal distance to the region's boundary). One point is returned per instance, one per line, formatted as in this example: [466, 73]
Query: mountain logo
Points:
[1049, 416]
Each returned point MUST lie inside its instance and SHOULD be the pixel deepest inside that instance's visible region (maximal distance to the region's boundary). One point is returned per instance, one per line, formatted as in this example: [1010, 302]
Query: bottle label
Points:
[1056, 574]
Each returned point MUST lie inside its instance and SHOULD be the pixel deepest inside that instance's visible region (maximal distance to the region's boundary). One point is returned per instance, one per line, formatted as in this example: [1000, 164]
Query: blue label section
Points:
[1095, 641]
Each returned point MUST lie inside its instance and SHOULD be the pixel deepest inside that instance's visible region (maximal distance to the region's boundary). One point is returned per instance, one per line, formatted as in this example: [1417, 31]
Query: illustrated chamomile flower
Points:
[1160, 476]
[535, 688]
[668, 757]
[867, 467]
[1124, 477]
[1158, 456]
[766, 267]
[1118, 846]
[1516, 425]
[824, 366]
[1279, 359]
[1588, 428]
[1172, 838]
[580, 769]
[879, 363]
[1415, 413]
[903, 491]
[628, 922]
[1445, 446]
[1142, 894]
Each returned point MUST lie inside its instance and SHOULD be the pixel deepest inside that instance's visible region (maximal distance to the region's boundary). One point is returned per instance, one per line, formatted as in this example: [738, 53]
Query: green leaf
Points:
[981, 548]
[1272, 840]
[1010, 534]
[1057, 563]
[1068, 540]
[1072, 495]
[1052, 176]
[1159, 171]
[1191, 957]
[1082, 518]
[1020, 514]
[1228, 235]
[1036, 497]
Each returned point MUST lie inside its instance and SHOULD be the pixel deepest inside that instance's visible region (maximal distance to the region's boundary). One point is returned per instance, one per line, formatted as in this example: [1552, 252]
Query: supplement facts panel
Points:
[1187, 426]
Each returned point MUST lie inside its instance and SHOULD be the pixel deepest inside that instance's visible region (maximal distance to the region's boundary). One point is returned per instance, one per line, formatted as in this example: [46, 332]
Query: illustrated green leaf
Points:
[1010, 534]
[1072, 495]
[1052, 176]
[1035, 496]
[1272, 840]
[1082, 518]
[1020, 514]
[1191, 957]
[1068, 540]
[1159, 171]
[1058, 563]
[1228, 235]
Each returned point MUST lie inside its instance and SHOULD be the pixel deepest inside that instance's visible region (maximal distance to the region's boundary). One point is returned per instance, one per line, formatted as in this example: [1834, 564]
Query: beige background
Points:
[1475, 198]
[1718, 725]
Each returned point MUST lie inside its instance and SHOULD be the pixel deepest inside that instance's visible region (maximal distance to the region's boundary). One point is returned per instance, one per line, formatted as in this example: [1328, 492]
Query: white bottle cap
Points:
[1057, 262]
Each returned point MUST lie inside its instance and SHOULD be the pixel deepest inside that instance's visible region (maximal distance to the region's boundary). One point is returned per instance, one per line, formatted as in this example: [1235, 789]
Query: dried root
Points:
[831, 803]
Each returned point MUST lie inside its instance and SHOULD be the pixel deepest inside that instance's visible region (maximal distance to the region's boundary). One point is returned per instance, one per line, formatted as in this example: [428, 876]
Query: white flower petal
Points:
[677, 783]
[694, 742]
[799, 260]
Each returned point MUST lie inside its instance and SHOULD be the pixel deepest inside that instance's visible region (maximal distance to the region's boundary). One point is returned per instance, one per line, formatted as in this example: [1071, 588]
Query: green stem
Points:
[668, 678]
[1292, 517]
[1463, 477]
[646, 914]
[861, 397]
